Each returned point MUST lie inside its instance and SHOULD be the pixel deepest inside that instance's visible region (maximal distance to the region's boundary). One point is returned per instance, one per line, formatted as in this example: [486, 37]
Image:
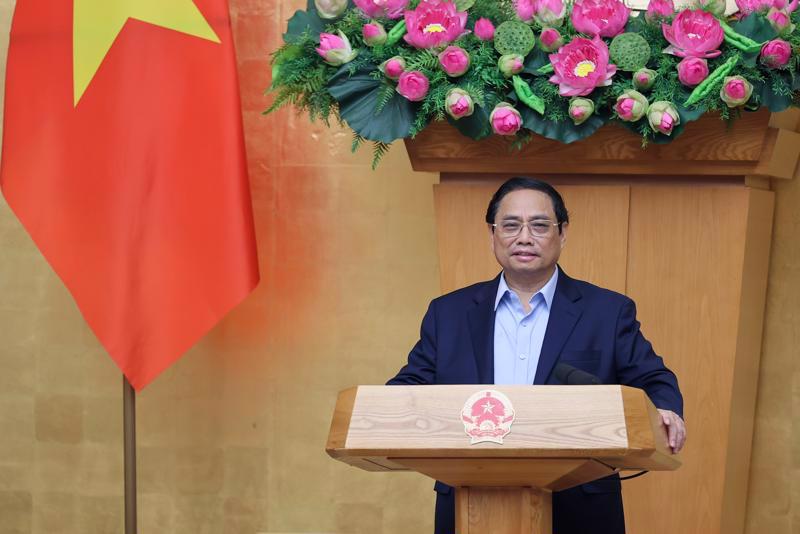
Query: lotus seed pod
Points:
[514, 37]
[629, 51]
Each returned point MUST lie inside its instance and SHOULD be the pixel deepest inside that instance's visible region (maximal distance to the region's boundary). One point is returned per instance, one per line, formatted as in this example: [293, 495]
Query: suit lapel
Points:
[564, 315]
[481, 329]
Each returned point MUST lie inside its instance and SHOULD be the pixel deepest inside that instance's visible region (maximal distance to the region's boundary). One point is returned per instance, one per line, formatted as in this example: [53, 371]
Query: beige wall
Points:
[231, 438]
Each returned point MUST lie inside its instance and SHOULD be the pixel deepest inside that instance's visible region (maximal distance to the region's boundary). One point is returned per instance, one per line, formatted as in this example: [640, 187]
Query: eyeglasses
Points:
[537, 228]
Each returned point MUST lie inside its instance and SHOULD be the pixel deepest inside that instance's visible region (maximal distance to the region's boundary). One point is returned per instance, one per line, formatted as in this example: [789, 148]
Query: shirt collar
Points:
[547, 291]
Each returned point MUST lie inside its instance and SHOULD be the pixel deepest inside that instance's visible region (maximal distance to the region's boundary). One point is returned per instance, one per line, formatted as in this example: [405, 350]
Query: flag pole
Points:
[129, 438]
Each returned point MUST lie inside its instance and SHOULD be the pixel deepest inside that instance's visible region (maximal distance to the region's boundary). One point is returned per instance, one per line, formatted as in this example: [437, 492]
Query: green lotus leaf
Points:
[756, 27]
[564, 131]
[476, 126]
[773, 101]
[536, 59]
[304, 21]
[358, 97]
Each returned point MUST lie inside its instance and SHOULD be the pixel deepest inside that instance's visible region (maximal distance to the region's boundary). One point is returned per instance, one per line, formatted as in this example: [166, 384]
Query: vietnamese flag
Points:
[123, 157]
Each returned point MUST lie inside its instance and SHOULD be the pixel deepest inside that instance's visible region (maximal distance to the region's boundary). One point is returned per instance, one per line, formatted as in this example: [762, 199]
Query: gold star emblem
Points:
[96, 24]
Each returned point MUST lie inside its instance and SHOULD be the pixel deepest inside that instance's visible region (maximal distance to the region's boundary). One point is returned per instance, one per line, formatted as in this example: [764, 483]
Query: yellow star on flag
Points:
[96, 24]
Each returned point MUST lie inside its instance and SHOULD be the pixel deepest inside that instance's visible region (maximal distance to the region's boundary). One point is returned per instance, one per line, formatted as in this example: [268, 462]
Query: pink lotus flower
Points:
[484, 29]
[335, 49]
[735, 91]
[524, 9]
[606, 18]
[692, 71]
[580, 66]
[413, 85]
[505, 119]
[454, 60]
[753, 6]
[550, 40]
[435, 23]
[393, 67]
[693, 33]
[659, 10]
[776, 53]
[549, 13]
[382, 9]
[373, 33]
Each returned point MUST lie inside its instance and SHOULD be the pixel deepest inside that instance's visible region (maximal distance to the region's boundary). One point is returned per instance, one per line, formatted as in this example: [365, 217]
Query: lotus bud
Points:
[458, 103]
[335, 50]
[659, 10]
[413, 85]
[454, 60]
[580, 109]
[643, 79]
[505, 119]
[549, 13]
[484, 29]
[330, 9]
[631, 106]
[393, 67]
[776, 54]
[550, 40]
[692, 71]
[735, 91]
[780, 21]
[715, 7]
[374, 33]
[510, 64]
[663, 117]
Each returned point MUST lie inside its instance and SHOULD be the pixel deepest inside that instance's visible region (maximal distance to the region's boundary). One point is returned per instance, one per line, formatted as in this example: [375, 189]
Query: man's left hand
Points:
[676, 430]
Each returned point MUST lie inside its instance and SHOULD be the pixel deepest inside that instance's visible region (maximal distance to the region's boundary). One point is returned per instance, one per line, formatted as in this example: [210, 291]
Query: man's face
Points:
[527, 256]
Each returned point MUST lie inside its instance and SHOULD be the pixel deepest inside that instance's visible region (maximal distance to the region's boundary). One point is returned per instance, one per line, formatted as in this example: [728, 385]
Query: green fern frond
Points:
[385, 95]
[357, 142]
[379, 149]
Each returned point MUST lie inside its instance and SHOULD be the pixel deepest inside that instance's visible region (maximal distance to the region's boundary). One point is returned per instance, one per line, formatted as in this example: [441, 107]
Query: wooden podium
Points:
[545, 438]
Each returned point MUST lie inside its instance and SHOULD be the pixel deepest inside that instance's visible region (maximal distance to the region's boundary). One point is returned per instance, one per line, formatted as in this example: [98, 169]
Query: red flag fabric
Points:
[123, 157]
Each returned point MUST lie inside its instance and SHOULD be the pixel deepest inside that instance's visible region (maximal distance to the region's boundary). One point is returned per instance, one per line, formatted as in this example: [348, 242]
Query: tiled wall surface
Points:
[231, 438]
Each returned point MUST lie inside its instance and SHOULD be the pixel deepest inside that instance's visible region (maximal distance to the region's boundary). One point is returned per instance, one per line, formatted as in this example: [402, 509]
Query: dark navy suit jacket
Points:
[590, 328]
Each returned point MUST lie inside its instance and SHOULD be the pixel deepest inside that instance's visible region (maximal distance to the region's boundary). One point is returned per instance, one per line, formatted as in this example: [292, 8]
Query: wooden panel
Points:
[707, 147]
[337, 436]
[685, 270]
[747, 358]
[550, 473]
[503, 511]
[596, 244]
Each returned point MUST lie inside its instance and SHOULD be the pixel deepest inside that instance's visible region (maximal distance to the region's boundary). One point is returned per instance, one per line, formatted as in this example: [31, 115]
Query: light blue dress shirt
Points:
[518, 337]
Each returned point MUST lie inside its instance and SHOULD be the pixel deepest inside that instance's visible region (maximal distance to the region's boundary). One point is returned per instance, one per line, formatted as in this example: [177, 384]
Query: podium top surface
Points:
[376, 427]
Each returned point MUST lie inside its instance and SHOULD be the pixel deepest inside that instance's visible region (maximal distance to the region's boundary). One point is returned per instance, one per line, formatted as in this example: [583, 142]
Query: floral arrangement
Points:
[556, 68]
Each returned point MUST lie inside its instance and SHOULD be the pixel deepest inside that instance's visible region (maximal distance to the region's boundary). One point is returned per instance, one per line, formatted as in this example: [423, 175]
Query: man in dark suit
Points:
[515, 328]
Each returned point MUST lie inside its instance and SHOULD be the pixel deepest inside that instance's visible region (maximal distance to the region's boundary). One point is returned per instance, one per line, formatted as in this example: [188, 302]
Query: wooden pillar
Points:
[482, 510]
